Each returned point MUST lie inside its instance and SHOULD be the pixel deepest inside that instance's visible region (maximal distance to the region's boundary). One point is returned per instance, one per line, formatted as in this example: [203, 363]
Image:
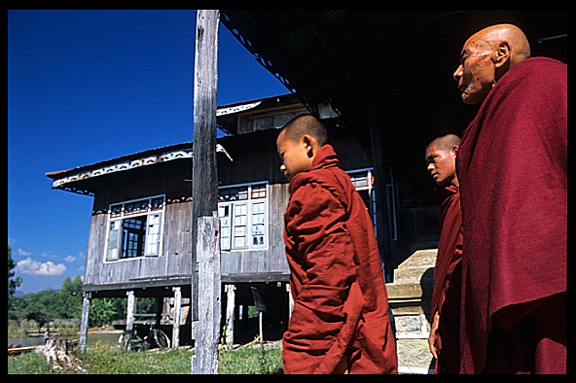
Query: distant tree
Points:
[70, 297]
[13, 283]
[41, 317]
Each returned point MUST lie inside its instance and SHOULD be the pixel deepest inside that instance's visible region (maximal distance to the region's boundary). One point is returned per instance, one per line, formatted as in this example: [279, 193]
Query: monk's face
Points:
[476, 72]
[295, 155]
[442, 165]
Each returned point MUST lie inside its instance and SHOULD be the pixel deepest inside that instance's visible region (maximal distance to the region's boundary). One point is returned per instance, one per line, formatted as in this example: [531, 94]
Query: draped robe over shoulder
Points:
[340, 318]
[512, 172]
[447, 284]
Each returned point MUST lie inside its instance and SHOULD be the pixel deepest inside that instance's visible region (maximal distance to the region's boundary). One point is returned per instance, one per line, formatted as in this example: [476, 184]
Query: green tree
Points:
[13, 283]
[101, 311]
[70, 297]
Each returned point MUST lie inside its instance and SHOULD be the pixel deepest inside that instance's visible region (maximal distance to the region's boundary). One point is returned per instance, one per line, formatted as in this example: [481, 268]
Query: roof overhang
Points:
[74, 180]
[386, 68]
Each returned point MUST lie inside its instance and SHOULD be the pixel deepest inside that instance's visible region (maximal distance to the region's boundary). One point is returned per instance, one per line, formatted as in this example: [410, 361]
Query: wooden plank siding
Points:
[254, 160]
[255, 265]
[174, 261]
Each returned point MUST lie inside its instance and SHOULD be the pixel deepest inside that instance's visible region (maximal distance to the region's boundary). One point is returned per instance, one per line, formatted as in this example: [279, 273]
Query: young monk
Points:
[444, 340]
[512, 167]
[340, 319]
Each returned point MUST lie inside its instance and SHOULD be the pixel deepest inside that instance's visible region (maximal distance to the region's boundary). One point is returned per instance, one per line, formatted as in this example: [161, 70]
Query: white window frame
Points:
[355, 176]
[244, 217]
[153, 227]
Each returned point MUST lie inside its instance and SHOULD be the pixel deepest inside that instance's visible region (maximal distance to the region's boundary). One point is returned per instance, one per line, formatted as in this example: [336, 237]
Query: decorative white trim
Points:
[151, 160]
[237, 108]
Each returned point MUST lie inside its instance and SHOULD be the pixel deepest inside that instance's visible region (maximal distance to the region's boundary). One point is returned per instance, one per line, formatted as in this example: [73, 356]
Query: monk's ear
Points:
[307, 144]
[502, 57]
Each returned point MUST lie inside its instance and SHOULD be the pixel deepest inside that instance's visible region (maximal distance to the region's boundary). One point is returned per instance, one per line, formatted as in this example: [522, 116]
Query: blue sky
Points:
[86, 86]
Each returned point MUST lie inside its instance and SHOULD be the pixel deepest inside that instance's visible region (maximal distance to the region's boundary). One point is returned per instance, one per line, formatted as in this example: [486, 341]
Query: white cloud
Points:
[29, 266]
[70, 258]
[23, 253]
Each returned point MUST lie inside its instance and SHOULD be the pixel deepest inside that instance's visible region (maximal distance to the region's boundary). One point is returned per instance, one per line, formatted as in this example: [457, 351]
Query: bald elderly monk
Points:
[340, 318]
[444, 339]
[512, 173]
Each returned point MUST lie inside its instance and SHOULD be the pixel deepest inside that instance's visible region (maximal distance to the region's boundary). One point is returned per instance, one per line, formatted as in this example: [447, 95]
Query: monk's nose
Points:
[458, 73]
[282, 168]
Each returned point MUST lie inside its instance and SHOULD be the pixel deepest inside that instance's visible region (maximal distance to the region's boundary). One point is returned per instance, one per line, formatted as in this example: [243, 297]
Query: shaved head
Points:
[495, 35]
[446, 142]
[486, 56]
[440, 159]
[298, 143]
[305, 124]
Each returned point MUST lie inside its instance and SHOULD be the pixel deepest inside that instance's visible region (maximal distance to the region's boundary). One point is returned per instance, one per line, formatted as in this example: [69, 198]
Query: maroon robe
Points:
[340, 319]
[447, 284]
[512, 172]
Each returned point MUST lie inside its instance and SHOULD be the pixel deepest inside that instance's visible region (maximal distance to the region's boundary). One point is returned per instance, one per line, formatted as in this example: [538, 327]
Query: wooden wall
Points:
[254, 160]
[267, 264]
[174, 262]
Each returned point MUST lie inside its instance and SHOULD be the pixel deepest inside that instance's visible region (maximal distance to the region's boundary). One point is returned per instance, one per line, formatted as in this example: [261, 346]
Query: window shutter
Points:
[258, 224]
[153, 235]
[240, 223]
[114, 240]
[224, 214]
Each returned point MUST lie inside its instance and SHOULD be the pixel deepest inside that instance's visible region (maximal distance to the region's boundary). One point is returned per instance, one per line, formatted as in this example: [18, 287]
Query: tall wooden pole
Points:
[205, 193]
[206, 330]
[83, 341]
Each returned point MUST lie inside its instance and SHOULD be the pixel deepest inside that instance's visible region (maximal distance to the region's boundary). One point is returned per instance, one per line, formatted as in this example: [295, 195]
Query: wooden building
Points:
[382, 83]
[388, 73]
[140, 238]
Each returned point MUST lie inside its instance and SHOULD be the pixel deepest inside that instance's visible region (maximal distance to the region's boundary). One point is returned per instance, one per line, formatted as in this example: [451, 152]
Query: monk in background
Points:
[512, 172]
[444, 339]
[340, 318]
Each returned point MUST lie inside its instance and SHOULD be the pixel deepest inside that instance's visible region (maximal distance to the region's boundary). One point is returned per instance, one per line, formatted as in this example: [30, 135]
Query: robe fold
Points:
[512, 172]
[340, 318]
[447, 284]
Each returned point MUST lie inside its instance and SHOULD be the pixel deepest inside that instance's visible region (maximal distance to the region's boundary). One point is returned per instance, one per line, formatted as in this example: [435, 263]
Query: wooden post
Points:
[204, 170]
[130, 309]
[206, 331]
[177, 316]
[205, 299]
[230, 308]
[83, 341]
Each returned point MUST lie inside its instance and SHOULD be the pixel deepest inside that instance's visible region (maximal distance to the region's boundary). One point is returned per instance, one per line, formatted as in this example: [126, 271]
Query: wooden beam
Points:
[206, 281]
[130, 311]
[177, 316]
[206, 331]
[204, 169]
[230, 308]
[83, 341]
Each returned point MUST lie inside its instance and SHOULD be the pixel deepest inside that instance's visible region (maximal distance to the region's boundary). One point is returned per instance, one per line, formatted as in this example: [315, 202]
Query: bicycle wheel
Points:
[125, 341]
[161, 339]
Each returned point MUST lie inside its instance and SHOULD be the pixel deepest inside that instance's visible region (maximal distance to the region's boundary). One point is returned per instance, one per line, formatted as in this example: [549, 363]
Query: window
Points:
[363, 181]
[243, 216]
[135, 228]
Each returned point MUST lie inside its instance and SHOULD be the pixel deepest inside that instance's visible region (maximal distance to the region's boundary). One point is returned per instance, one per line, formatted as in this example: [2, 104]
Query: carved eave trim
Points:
[94, 171]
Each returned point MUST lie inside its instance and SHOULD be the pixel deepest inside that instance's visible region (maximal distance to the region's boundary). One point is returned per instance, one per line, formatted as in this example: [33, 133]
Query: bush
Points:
[28, 363]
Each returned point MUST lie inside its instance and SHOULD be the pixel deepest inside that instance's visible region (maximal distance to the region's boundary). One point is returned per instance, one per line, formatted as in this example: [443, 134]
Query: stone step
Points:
[409, 298]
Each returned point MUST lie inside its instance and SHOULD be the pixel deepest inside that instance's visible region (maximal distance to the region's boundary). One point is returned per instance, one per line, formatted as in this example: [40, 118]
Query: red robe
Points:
[447, 284]
[340, 318]
[512, 173]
